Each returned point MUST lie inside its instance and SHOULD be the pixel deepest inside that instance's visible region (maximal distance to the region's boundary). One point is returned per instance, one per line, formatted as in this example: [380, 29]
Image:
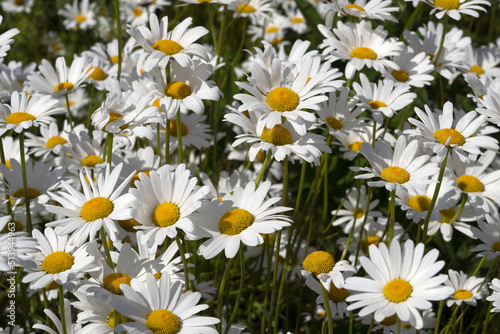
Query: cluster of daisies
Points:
[131, 171]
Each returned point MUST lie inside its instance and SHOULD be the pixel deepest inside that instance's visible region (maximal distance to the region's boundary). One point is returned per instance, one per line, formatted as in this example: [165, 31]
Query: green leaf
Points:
[310, 13]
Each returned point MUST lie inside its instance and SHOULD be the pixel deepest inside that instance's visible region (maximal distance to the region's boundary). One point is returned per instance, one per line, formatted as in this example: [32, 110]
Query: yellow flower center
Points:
[56, 47]
[319, 262]
[18, 117]
[114, 59]
[128, 225]
[261, 156]
[282, 99]
[470, 184]
[7, 163]
[334, 123]
[278, 135]
[447, 215]
[477, 69]
[358, 213]
[235, 221]
[96, 208]
[462, 294]
[371, 240]
[32, 193]
[395, 174]
[18, 226]
[420, 203]
[136, 177]
[353, 6]
[112, 282]
[245, 9]
[120, 318]
[447, 4]
[166, 214]
[389, 321]
[297, 20]
[52, 286]
[496, 246]
[80, 18]
[91, 161]
[456, 137]
[56, 140]
[137, 11]
[163, 322]
[272, 29]
[177, 90]
[57, 262]
[276, 41]
[97, 74]
[400, 75]
[64, 85]
[363, 53]
[113, 116]
[168, 47]
[398, 290]
[377, 104]
[204, 1]
[337, 295]
[356, 146]
[173, 129]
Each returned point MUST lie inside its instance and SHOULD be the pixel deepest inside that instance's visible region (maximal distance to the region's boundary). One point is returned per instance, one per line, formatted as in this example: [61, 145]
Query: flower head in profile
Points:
[323, 266]
[6, 40]
[466, 289]
[495, 296]
[489, 235]
[453, 8]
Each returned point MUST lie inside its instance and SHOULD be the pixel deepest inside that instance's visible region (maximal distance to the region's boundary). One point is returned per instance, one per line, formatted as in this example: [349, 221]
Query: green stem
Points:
[392, 210]
[351, 233]
[460, 209]
[179, 135]
[158, 146]
[119, 37]
[240, 290]
[440, 50]
[106, 248]
[2, 160]
[328, 309]
[438, 319]
[167, 143]
[184, 262]
[492, 21]
[487, 319]
[70, 117]
[367, 209]
[301, 188]
[89, 113]
[398, 326]
[263, 168]
[221, 292]
[29, 227]
[410, 21]
[275, 278]
[63, 311]
[109, 148]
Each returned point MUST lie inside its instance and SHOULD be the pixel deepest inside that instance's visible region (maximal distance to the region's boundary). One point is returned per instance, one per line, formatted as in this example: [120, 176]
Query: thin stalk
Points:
[184, 262]
[440, 50]
[63, 311]
[438, 319]
[487, 319]
[70, 117]
[211, 23]
[351, 233]
[221, 292]
[410, 21]
[263, 168]
[392, 210]
[240, 290]
[179, 135]
[119, 37]
[301, 188]
[29, 227]
[89, 113]
[167, 143]
[275, 278]
[372, 323]
[158, 146]
[460, 209]
[328, 310]
[367, 209]
[492, 21]
[479, 266]
[106, 248]
[2, 160]
[110, 148]
[268, 247]
[398, 326]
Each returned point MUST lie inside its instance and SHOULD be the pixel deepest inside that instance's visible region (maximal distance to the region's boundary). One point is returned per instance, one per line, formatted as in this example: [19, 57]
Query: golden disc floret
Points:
[398, 290]
[334, 123]
[63, 85]
[136, 177]
[363, 53]
[97, 74]
[32, 193]
[476, 69]
[356, 146]
[395, 174]
[337, 295]
[245, 9]
[173, 128]
[18, 117]
[456, 137]
[319, 262]
[57, 262]
[462, 294]
[297, 20]
[177, 90]
[166, 214]
[112, 282]
[377, 104]
[128, 225]
[235, 221]
[400, 75]
[96, 208]
[168, 47]
[55, 140]
[470, 184]
[162, 322]
[282, 99]
[278, 135]
[371, 240]
[447, 215]
[354, 6]
[496, 246]
[420, 203]
[91, 161]
[447, 4]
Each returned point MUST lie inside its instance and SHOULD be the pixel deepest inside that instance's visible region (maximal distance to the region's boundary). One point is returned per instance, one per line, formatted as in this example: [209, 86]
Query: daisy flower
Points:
[400, 281]
[70, 327]
[363, 9]
[489, 234]
[79, 15]
[322, 265]
[256, 10]
[6, 40]
[384, 97]
[57, 260]
[460, 136]
[26, 111]
[389, 324]
[17, 6]
[336, 297]
[466, 289]
[483, 61]
[240, 218]
[453, 8]
[194, 132]
[60, 80]
[361, 46]
[136, 15]
[50, 140]
[297, 22]
[25, 248]
[93, 316]
[340, 112]
[165, 201]
[490, 106]
[81, 152]
[444, 225]
[403, 167]
[100, 205]
[414, 69]
[495, 296]
[160, 306]
[160, 45]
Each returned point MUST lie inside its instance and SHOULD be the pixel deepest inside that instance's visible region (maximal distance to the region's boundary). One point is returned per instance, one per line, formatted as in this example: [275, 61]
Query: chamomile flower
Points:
[81, 152]
[400, 281]
[79, 15]
[50, 140]
[136, 15]
[483, 61]
[194, 132]
[322, 265]
[403, 167]
[159, 305]
[495, 296]
[94, 316]
[336, 297]
[165, 201]
[6, 40]
[240, 218]
[60, 80]
[453, 8]
[445, 225]
[414, 69]
[340, 113]
[256, 10]
[297, 22]
[466, 289]
[351, 141]
[71, 328]
[374, 9]
[361, 46]
[57, 260]
[459, 136]
[26, 111]
[489, 234]
[490, 106]
[100, 205]
[26, 247]
[17, 6]
[160, 45]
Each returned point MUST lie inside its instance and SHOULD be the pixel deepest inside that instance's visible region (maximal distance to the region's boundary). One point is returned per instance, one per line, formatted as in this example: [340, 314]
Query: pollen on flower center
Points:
[420, 203]
[235, 221]
[398, 290]
[56, 140]
[168, 47]
[166, 214]
[91, 161]
[496, 246]
[356, 146]
[371, 240]
[456, 137]
[447, 215]
[282, 99]
[137, 11]
[57, 262]
[136, 177]
[476, 69]
[114, 59]
[297, 20]
[469, 184]
[377, 104]
[177, 90]
[400, 75]
[278, 135]
[395, 174]
[112, 282]
[334, 123]
[80, 18]
[163, 322]
[97, 74]
[447, 4]
[358, 213]
[245, 9]
[319, 262]
[353, 6]
[32, 193]
[63, 85]
[173, 129]
[363, 53]
[18, 117]
[337, 295]
[96, 208]
[128, 225]
[462, 294]
[204, 1]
